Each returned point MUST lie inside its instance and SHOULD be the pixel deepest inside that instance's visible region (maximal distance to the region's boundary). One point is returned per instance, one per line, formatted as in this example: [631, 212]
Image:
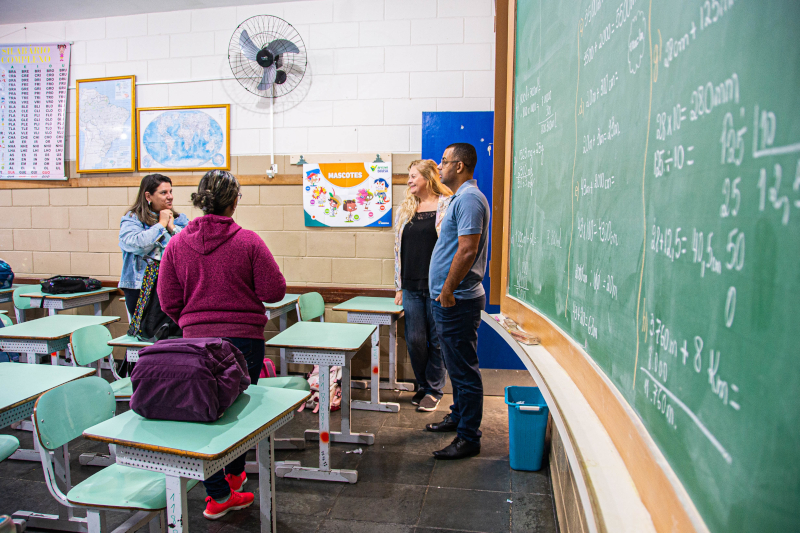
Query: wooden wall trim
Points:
[331, 295]
[177, 180]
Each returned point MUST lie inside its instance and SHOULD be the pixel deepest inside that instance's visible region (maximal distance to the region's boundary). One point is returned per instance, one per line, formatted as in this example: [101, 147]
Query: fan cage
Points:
[262, 30]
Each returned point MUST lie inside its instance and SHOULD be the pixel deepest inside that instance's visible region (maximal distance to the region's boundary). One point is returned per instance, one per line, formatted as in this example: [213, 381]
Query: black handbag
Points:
[69, 284]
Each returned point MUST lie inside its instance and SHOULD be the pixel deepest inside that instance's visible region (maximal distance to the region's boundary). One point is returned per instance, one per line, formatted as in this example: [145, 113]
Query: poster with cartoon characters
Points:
[348, 194]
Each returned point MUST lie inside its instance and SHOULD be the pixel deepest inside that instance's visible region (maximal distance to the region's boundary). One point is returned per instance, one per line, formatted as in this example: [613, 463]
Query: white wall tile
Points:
[126, 68]
[335, 139]
[12, 33]
[169, 69]
[128, 26]
[245, 12]
[86, 30]
[218, 18]
[437, 84]
[333, 87]
[291, 140]
[152, 95]
[191, 44]
[47, 32]
[253, 117]
[356, 10]
[358, 60]
[77, 53]
[313, 12]
[465, 8]
[383, 138]
[479, 30]
[169, 23]
[83, 72]
[437, 31]
[357, 112]
[148, 47]
[410, 58]
[336, 35]
[210, 67]
[410, 9]
[320, 62]
[407, 111]
[464, 57]
[479, 84]
[198, 93]
[463, 104]
[415, 141]
[106, 50]
[394, 85]
[244, 142]
[222, 41]
[318, 113]
[384, 33]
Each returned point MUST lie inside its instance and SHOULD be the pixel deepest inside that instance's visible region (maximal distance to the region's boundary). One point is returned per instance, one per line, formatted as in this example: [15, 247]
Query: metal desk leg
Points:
[284, 370]
[97, 310]
[266, 485]
[374, 404]
[177, 506]
[52, 311]
[344, 435]
[393, 383]
[292, 469]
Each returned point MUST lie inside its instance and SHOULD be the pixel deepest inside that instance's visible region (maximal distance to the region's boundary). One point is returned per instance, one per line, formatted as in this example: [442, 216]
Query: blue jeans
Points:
[458, 333]
[253, 351]
[422, 342]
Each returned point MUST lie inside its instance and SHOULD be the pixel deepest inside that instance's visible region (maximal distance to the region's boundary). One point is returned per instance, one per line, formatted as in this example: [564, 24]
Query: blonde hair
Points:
[428, 169]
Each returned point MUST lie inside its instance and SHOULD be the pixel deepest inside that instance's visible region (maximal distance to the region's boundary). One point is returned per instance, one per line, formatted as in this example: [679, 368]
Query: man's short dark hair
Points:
[465, 153]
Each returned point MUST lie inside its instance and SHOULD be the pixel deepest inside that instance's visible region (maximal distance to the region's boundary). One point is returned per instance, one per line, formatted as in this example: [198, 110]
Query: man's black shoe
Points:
[446, 424]
[458, 449]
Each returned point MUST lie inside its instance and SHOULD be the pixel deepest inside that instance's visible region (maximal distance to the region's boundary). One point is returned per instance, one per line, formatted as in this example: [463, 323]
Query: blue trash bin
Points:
[527, 423]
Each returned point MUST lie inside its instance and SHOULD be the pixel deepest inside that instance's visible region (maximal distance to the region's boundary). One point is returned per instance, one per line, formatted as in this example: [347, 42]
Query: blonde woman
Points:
[416, 232]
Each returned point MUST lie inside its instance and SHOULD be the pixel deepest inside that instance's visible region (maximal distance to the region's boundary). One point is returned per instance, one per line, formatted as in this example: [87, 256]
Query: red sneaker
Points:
[236, 482]
[238, 500]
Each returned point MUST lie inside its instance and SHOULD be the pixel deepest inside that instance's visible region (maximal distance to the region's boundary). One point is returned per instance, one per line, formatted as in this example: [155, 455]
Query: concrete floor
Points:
[401, 488]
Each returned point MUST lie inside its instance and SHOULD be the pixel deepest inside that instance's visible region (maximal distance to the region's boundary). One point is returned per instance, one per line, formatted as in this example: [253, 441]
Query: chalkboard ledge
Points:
[606, 495]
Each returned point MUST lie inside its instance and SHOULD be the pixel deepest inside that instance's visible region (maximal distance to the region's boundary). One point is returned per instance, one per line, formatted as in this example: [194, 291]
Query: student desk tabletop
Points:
[281, 309]
[325, 344]
[380, 312]
[55, 302]
[46, 335]
[6, 295]
[132, 346]
[193, 450]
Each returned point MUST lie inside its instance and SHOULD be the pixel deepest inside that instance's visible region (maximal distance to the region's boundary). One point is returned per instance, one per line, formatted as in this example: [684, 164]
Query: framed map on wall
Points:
[193, 138]
[105, 124]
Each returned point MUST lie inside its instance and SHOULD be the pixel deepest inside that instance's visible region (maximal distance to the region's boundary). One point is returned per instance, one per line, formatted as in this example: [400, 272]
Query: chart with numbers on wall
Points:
[33, 107]
[655, 218]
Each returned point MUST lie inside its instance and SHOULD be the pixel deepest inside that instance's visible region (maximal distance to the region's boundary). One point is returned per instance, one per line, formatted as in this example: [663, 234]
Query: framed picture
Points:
[105, 124]
[341, 195]
[193, 138]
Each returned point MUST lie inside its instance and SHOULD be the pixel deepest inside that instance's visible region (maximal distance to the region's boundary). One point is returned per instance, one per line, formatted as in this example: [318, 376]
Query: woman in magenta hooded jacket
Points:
[213, 278]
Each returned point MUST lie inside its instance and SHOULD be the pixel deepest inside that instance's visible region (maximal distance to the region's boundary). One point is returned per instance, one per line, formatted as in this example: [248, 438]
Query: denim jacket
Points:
[139, 243]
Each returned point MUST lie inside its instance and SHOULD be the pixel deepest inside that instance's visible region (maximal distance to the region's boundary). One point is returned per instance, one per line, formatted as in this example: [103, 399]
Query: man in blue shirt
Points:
[457, 268]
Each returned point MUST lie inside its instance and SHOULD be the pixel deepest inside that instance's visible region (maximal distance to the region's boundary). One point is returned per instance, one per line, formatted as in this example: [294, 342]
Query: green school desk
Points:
[281, 309]
[21, 387]
[325, 344]
[7, 295]
[46, 335]
[380, 312]
[56, 302]
[193, 450]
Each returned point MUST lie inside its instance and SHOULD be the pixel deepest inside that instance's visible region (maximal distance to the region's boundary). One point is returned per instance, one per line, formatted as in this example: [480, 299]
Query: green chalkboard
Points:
[655, 217]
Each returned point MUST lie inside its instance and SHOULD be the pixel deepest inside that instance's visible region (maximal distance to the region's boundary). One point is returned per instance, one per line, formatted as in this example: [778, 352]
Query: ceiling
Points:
[17, 11]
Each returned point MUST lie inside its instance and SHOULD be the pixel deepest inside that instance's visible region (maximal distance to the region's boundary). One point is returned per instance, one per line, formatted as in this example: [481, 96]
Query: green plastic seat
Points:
[285, 382]
[8, 445]
[89, 345]
[61, 415]
[20, 303]
[310, 306]
[6, 321]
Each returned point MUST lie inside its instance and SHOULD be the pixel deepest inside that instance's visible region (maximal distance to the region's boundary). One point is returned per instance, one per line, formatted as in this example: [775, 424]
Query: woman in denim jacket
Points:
[416, 232]
[145, 231]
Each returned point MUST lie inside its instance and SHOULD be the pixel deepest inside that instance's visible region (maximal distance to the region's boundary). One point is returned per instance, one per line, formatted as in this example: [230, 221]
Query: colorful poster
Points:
[344, 195]
[33, 110]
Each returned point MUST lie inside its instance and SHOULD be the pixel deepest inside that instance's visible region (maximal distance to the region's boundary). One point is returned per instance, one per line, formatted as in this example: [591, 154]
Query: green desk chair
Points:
[310, 306]
[8, 445]
[90, 345]
[20, 303]
[6, 321]
[61, 415]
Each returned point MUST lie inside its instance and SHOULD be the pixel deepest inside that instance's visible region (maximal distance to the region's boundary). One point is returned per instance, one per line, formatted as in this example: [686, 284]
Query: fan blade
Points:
[268, 78]
[282, 46]
[249, 50]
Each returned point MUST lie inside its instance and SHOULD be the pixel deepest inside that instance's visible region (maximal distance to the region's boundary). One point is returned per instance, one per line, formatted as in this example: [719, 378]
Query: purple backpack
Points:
[191, 380]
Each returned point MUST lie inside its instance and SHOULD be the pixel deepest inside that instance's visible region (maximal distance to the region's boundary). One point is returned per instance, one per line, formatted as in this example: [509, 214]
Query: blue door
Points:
[439, 130]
